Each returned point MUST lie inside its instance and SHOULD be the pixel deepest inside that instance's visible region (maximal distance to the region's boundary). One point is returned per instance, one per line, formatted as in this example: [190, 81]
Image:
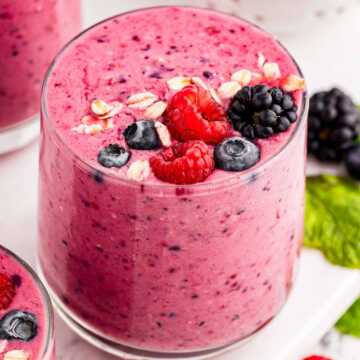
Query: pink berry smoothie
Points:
[150, 265]
[35, 341]
[31, 32]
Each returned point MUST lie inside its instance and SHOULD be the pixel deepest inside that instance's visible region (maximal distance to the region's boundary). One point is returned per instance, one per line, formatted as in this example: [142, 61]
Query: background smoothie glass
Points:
[150, 269]
[29, 296]
[31, 33]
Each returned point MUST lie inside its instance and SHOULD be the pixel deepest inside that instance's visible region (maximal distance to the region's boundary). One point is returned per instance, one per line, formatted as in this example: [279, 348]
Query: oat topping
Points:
[163, 133]
[271, 71]
[16, 355]
[228, 89]
[215, 95]
[198, 81]
[293, 83]
[92, 129]
[115, 108]
[155, 110]
[243, 77]
[179, 82]
[141, 101]
[256, 77]
[139, 170]
[261, 60]
[100, 107]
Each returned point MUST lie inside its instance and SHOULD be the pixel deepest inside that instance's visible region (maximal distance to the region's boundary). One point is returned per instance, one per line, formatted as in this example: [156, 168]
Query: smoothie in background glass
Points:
[144, 263]
[26, 318]
[31, 33]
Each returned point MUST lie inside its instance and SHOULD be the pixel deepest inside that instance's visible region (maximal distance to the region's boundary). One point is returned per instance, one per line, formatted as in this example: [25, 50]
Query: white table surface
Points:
[322, 291]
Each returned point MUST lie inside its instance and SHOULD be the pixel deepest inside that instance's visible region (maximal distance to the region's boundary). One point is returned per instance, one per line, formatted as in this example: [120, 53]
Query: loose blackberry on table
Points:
[334, 124]
[260, 111]
[352, 161]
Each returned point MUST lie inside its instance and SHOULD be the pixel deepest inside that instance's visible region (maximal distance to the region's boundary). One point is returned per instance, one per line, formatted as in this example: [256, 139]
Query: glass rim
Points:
[239, 177]
[45, 296]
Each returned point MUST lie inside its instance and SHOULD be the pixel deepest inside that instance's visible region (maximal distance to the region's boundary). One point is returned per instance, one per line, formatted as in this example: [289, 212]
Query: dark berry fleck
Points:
[174, 248]
[16, 280]
[207, 74]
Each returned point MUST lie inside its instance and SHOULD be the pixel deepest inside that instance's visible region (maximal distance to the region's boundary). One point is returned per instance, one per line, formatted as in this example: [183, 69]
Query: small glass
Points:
[31, 33]
[30, 296]
[213, 262]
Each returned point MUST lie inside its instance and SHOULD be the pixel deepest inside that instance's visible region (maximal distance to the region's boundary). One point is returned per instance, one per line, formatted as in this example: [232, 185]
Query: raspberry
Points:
[193, 114]
[7, 292]
[316, 357]
[183, 163]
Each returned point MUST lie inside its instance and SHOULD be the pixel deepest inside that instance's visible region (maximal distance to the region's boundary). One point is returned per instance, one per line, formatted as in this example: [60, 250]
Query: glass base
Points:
[17, 137]
[123, 351]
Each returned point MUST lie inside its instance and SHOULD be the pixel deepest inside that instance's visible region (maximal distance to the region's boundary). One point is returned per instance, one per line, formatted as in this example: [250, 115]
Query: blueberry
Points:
[142, 135]
[113, 155]
[18, 325]
[352, 161]
[236, 154]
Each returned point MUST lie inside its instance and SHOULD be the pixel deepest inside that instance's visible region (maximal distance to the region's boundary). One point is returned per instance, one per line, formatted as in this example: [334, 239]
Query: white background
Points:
[329, 55]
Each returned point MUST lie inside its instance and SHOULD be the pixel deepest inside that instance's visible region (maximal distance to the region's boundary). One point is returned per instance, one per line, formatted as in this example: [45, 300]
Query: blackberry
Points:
[334, 124]
[260, 111]
[352, 161]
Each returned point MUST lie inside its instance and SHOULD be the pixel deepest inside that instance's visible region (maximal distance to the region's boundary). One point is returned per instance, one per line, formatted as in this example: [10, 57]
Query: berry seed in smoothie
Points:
[172, 179]
[25, 316]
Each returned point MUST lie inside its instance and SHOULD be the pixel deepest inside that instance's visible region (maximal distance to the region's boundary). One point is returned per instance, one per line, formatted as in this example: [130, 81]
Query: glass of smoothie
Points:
[31, 33]
[172, 172]
[26, 317]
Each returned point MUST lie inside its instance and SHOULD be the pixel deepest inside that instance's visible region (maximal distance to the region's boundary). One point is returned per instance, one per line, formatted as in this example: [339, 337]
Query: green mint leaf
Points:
[332, 221]
[349, 324]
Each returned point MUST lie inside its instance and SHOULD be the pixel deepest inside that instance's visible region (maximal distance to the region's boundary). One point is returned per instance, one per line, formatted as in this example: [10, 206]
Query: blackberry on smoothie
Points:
[25, 312]
[31, 33]
[172, 180]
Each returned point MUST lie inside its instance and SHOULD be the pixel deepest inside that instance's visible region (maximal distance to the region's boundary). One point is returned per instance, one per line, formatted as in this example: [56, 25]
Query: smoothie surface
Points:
[28, 298]
[140, 51]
